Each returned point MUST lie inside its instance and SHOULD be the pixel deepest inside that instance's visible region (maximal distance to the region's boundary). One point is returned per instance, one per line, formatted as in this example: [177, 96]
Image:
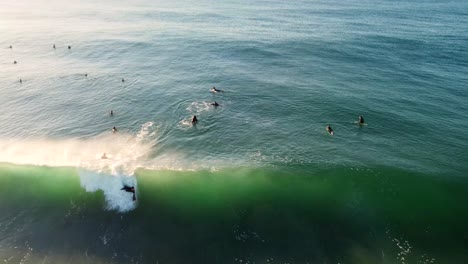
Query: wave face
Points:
[346, 215]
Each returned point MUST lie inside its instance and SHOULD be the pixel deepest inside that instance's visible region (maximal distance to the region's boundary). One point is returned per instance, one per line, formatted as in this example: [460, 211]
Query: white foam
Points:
[198, 107]
[125, 153]
[116, 199]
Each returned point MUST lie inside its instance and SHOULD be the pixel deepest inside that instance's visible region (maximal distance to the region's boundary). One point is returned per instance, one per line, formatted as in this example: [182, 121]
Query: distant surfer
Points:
[214, 90]
[69, 47]
[329, 130]
[123, 80]
[114, 130]
[130, 189]
[86, 75]
[361, 120]
[194, 120]
[15, 62]
[11, 47]
[111, 113]
[104, 156]
[21, 81]
[215, 104]
[53, 46]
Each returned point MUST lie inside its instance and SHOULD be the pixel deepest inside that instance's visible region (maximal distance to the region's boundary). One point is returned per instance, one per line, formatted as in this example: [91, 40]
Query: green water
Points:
[338, 215]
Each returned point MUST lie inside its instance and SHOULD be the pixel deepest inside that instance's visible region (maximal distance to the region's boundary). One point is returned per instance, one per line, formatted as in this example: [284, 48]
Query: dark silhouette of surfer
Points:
[361, 120]
[329, 130]
[114, 129]
[215, 104]
[194, 120]
[53, 46]
[130, 189]
[69, 47]
[214, 90]
[111, 113]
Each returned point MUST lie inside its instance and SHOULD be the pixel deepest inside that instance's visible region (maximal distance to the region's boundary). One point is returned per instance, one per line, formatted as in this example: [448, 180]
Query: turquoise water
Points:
[258, 179]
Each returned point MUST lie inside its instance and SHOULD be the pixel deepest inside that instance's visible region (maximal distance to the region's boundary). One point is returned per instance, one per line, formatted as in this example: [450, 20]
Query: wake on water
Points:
[125, 153]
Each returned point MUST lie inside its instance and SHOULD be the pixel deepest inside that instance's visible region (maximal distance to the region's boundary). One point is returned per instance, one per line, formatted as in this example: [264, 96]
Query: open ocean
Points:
[258, 179]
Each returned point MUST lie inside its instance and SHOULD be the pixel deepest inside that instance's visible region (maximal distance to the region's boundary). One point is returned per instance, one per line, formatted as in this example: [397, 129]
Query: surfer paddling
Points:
[194, 120]
[130, 189]
[114, 130]
[214, 90]
[215, 104]
[361, 120]
[329, 130]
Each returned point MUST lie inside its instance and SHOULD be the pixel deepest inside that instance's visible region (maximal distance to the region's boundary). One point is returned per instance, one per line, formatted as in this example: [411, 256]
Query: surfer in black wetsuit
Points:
[15, 62]
[53, 46]
[111, 113]
[215, 104]
[361, 120]
[329, 130]
[130, 189]
[114, 129]
[69, 47]
[214, 90]
[194, 120]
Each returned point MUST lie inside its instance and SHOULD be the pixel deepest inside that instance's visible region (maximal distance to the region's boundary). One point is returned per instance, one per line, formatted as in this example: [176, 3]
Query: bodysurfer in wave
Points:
[130, 189]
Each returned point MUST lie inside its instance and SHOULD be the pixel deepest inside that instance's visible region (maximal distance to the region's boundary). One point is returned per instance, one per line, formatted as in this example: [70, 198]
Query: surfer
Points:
[86, 75]
[111, 113]
[361, 120]
[215, 104]
[69, 47]
[123, 80]
[104, 156]
[15, 62]
[11, 47]
[194, 120]
[53, 46]
[130, 189]
[214, 90]
[114, 129]
[21, 81]
[329, 130]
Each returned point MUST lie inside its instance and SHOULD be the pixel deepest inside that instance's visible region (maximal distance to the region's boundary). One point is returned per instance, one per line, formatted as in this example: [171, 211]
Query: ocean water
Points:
[257, 179]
